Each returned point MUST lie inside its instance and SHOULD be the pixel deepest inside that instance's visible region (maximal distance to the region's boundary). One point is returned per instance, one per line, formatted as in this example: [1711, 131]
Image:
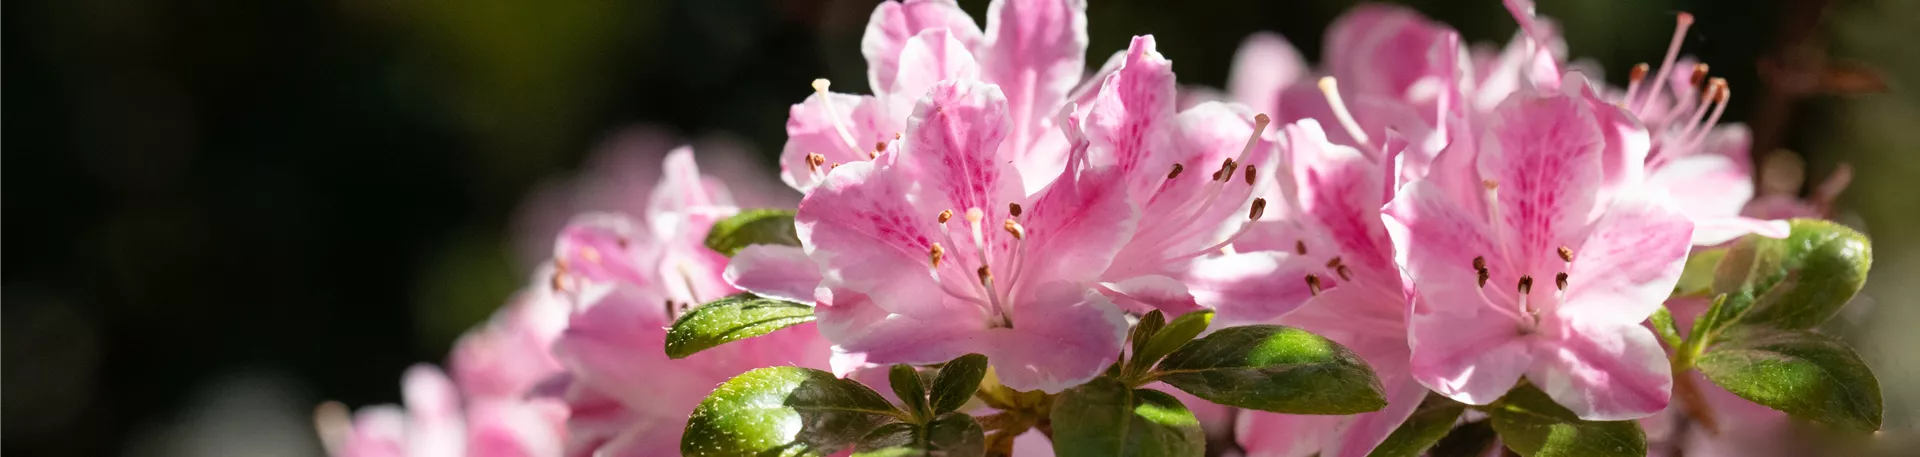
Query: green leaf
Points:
[1426, 426]
[750, 227]
[1274, 368]
[736, 317]
[784, 411]
[950, 435]
[1663, 326]
[1826, 264]
[1698, 276]
[1104, 417]
[1534, 426]
[1749, 268]
[1177, 333]
[1808, 375]
[913, 395]
[1144, 330]
[957, 382]
[1469, 439]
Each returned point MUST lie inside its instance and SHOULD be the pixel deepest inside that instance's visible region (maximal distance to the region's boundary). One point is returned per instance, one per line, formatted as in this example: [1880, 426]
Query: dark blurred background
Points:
[222, 212]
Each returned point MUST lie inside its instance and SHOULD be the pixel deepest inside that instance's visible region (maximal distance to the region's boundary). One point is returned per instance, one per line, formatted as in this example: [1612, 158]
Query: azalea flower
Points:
[1543, 209]
[1035, 50]
[628, 280]
[1341, 260]
[934, 251]
[435, 422]
[508, 355]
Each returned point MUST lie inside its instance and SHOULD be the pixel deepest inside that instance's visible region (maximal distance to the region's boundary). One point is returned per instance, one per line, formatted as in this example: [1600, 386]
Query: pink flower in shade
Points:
[934, 251]
[1035, 50]
[627, 281]
[1334, 235]
[436, 423]
[508, 355]
[1604, 254]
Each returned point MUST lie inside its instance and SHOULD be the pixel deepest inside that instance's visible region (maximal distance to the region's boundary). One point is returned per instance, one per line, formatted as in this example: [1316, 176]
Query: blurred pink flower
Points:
[435, 422]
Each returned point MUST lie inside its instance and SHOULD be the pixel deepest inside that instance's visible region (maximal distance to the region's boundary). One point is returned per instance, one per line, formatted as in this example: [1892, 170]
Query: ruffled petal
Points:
[1062, 336]
[1544, 154]
[1630, 262]
[1264, 65]
[1035, 50]
[866, 236]
[932, 56]
[893, 24]
[1605, 371]
[774, 271]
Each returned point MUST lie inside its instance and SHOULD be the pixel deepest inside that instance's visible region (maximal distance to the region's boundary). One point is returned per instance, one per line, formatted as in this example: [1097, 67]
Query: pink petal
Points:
[1264, 434]
[1124, 122]
[1388, 50]
[1715, 231]
[1545, 154]
[684, 191]
[435, 425]
[1253, 286]
[1062, 336]
[1604, 371]
[1264, 65]
[1036, 51]
[1076, 226]
[1143, 293]
[865, 235]
[1630, 262]
[1705, 185]
[514, 428]
[377, 431]
[811, 130]
[857, 326]
[929, 57]
[1436, 242]
[1627, 142]
[1359, 436]
[1472, 357]
[773, 271]
[952, 147]
[602, 247]
[1195, 212]
[893, 24]
[1341, 192]
[618, 346]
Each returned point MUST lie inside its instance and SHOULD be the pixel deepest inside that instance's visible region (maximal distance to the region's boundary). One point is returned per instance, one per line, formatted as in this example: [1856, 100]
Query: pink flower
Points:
[1341, 264]
[508, 355]
[436, 423]
[934, 251]
[1544, 210]
[627, 281]
[1035, 50]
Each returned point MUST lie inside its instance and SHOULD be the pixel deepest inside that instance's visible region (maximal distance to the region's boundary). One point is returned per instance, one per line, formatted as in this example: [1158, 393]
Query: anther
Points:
[1176, 171]
[879, 146]
[1682, 22]
[1481, 279]
[557, 282]
[1560, 281]
[1300, 247]
[938, 254]
[1259, 208]
[1019, 232]
[621, 241]
[1566, 254]
[1526, 284]
[946, 215]
[590, 254]
[1226, 169]
[1313, 285]
[1634, 78]
[1479, 263]
[1250, 175]
[1333, 262]
[1013, 209]
[1346, 274]
[1699, 75]
[814, 161]
[986, 276]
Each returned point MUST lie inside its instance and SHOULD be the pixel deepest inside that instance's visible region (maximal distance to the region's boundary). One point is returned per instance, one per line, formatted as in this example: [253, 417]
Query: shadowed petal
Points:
[1605, 371]
[774, 271]
[1063, 335]
[1630, 262]
[894, 23]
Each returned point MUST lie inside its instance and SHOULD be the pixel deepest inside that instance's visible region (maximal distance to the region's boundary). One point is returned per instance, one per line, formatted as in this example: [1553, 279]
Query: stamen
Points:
[986, 276]
[1331, 88]
[1560, 281]
[1566, 254]
[1346, 274]
[1300, 246]
[1720, 107]
[974, 215]
[590, 254]
[1699, 75]
[1633, 82]
[879, 147]
[1259, 208]
[1313, 285]
[1682, 22]
[946, 215]
[1250, 175]
[1482, 277]
[1334, 262]
[938, 254]
[1013, 209]
[1019, 232]
[1707, 98]
[826, 99]
[1176, 171]
[1479, 263]
[1526, 287]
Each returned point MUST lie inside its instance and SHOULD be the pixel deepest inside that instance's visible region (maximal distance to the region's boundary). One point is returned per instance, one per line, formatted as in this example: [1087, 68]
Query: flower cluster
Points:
[1414, 229]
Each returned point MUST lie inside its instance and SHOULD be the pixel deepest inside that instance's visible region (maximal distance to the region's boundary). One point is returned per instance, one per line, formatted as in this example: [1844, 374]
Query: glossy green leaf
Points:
[736, 317]
[1826, 265]
[1808, 375]
[784, 411]
[1177, 333]
[1274, 368]
[750, 227]
[1531, 424]
[1106, 418]
[1664, 327]
[1750, 267]
[1423, 429]
[957, 382]
[913, 395]
[1143, 331]
[1698, 276]
[950, 435]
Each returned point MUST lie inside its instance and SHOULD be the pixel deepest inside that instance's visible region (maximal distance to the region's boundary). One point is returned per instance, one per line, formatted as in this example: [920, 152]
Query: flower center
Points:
[993, 297]
[1186, 222]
